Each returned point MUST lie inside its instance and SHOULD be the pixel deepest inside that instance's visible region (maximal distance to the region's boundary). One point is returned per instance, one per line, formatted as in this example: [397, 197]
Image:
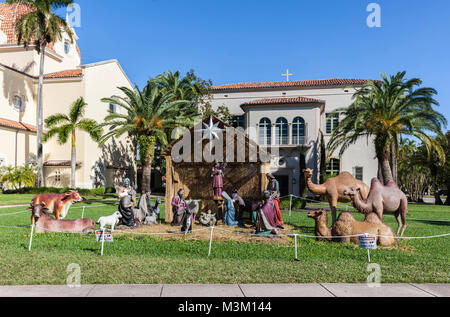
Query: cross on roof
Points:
[287, 75]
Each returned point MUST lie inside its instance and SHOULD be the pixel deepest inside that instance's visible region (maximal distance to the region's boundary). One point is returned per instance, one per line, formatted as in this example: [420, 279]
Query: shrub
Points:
[110, 190]
[53, 190]
[97, 191]
[297, 203]
[18, 177]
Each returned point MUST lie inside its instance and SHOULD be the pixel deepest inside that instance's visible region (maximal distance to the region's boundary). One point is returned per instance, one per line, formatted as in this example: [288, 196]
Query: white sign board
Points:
[368, 242]
[108, 236]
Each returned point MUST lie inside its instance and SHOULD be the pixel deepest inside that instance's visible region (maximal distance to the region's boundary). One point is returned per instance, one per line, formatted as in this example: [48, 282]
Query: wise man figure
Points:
[178, 208]
[217, 175]
[265, 219]
[274, 190]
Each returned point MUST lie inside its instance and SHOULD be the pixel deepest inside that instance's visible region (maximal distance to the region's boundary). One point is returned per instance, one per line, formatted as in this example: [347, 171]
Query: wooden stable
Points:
[249, 176]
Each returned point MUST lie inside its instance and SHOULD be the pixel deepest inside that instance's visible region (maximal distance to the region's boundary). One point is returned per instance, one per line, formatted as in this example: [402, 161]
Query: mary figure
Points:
[127, 196]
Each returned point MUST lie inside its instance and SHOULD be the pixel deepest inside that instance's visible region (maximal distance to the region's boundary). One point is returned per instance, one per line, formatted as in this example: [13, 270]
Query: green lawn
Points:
[133, 259]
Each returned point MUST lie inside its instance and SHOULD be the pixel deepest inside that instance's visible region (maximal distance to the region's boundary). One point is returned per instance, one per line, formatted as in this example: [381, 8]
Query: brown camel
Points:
[321, 229]
[382, 199]
[346, 225]
[334, 188]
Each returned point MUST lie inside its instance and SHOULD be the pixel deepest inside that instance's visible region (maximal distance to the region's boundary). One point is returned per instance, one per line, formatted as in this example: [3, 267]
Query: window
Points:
[18, 103]
[265, 132]
[332, 120]
[298, 131]
[3, 160]
[334, 167]
[238, 121]
[112, 108]
[67, 47]
[282, 130]
[358, 173]
[58, 176]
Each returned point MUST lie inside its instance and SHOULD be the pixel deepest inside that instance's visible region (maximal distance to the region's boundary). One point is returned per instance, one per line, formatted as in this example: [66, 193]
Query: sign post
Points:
[368, 242]
[290, 208]
[104, 236]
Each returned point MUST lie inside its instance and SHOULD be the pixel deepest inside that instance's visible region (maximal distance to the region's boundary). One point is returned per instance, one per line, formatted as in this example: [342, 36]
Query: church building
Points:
[66, 79]
[291, 117]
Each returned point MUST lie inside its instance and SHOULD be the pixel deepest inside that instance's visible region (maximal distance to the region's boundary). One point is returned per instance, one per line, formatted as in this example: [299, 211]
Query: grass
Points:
[133, 259]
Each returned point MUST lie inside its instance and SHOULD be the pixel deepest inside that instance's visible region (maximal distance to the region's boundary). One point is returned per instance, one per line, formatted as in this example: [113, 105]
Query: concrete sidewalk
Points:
[231, 290]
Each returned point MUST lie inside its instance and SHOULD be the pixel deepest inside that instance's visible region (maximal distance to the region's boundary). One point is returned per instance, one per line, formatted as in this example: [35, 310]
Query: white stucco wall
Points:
[361, 154]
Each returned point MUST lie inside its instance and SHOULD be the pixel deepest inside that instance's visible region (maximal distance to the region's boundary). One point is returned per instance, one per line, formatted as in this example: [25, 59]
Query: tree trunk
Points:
[39, 122]
[394, 162]
[146, 176]
[380, 172]
[74, 160]
[147, 153]
[447, 201]
[386, 168]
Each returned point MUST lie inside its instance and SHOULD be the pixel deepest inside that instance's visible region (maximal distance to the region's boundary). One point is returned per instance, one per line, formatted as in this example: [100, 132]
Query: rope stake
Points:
[210, 241]
[31, 237]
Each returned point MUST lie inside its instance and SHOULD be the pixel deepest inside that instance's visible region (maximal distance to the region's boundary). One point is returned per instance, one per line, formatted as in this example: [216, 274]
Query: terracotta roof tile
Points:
[17, 125]
[287, 84]
[286, 100]
[72, 73]
[11, 14]
[60, 163]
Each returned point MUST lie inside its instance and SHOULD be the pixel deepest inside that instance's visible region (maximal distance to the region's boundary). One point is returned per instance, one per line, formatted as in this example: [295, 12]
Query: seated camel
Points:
[381, 200]
[346, 225]
[334, 188]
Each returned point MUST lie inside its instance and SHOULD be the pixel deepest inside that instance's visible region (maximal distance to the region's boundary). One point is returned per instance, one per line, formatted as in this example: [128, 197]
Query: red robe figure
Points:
[217, 175]
[274, 190]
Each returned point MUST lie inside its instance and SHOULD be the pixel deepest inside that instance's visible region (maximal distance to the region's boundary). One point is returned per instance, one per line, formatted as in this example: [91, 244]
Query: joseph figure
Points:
[274, 190]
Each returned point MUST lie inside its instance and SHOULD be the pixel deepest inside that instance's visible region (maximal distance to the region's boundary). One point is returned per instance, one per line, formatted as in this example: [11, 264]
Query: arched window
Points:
[282, 131]
[298, 131]
[265, 131]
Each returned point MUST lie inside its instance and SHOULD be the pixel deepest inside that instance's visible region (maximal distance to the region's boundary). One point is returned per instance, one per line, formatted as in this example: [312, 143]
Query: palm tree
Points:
[186, 88]
[65, 126]
[149, 114]
[41, 27]
[386, 110]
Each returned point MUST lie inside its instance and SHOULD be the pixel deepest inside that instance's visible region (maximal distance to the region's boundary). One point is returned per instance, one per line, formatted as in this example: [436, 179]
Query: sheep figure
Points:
[111, 221]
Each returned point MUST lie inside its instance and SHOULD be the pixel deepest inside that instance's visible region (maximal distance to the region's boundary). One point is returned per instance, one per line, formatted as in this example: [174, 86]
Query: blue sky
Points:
[255, 40]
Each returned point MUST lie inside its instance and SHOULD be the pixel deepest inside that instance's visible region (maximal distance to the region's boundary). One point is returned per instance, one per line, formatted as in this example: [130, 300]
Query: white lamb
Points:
[110, 220]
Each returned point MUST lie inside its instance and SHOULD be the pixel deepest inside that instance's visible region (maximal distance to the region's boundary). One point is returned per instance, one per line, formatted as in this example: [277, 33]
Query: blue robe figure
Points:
[229, 218]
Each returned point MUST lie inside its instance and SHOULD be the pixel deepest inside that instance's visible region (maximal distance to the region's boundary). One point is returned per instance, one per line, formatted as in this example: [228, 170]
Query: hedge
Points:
[297, 203]
[53, 190]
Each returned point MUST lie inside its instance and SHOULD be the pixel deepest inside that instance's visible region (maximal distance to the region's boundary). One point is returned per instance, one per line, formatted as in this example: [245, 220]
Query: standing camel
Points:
[334, 188]
[381, 200]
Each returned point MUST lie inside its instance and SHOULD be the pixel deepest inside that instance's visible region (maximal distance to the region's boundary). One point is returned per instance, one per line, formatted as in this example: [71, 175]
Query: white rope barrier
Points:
[14, 213]
[315, 201]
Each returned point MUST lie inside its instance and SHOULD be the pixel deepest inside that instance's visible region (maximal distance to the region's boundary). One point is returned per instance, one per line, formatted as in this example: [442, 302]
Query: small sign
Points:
[368, 242]
[108, 235]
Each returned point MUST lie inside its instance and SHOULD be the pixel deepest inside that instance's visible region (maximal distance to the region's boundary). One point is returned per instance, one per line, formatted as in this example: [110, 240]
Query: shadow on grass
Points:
[432, 222]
